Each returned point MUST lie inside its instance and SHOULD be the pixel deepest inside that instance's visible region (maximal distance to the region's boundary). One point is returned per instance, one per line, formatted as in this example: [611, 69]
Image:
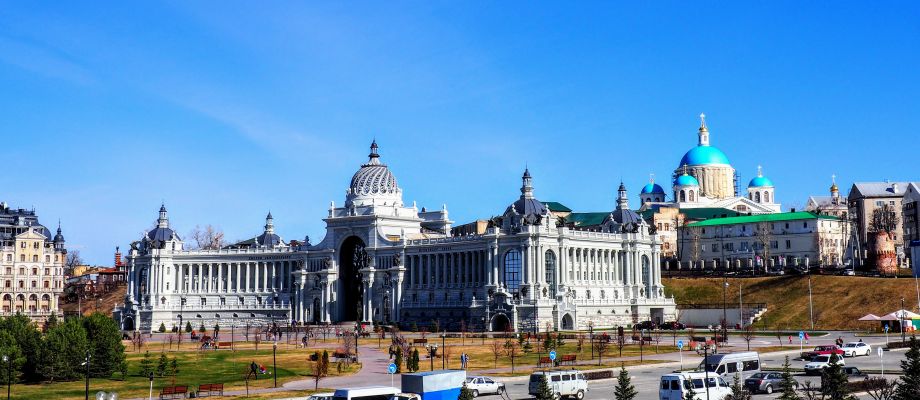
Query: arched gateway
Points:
[352, 259]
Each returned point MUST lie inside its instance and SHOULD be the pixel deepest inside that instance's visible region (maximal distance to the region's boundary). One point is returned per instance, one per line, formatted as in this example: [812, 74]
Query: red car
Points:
[822, 351]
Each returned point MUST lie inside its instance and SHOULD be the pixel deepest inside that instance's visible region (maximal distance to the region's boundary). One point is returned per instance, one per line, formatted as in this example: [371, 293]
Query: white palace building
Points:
[384, 262]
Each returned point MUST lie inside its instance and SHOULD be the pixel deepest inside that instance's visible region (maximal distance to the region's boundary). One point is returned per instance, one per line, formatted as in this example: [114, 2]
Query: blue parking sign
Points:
[801, 335]
[391, 368]
[680, 345]
[552, 355]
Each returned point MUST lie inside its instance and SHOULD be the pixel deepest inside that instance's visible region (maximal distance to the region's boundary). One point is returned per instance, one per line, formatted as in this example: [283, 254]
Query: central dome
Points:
[373, 177]
[704, 155]
[373, 183]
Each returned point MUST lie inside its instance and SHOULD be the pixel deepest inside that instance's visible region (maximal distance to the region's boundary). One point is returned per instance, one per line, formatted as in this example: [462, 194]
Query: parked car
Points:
[321, 396]
[765, 382]
[673, 326]
[728, 364]
[675, 386]
[484, 385]
[854, 349]
[645, 325]
[566, 383]
[853, 372]
[822, 351]
[820, 363]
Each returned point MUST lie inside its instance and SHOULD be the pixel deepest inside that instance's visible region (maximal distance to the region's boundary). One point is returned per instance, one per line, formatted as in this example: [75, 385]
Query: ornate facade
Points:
[387, 262]
[31, 265]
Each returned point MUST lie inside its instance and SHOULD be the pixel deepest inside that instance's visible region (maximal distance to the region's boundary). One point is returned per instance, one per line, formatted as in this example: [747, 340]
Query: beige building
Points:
[31, 265]
[863, 200]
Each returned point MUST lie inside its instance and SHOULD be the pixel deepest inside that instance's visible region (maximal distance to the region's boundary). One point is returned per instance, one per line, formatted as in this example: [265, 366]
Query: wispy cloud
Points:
[42, 61]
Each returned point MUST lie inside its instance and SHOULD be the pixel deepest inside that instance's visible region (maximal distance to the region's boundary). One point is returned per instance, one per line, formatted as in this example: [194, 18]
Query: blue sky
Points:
[228, 110]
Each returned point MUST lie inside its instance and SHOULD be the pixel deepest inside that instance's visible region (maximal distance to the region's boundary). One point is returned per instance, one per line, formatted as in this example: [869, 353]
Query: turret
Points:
[622, 198]
[703, 131]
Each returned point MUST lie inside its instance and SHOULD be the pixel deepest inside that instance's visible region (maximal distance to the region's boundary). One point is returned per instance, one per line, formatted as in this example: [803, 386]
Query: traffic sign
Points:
[886, 328]
[391, 368]
[680, 345]
[552, 355]
[801, 335]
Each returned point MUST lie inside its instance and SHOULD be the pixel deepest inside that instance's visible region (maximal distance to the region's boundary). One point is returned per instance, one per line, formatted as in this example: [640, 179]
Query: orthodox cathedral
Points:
[535, 266]
[705, 178]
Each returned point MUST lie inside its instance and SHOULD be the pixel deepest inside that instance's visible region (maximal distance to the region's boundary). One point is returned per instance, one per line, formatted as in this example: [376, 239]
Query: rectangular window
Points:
[715, 247]
[752, 365]
[788, 244]
[774, 244]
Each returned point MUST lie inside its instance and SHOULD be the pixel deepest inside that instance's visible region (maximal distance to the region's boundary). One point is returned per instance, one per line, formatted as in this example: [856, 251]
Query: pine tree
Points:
[465, 393]
[104, 338]
[738, 392]
[162, 365]
[834, 382]
[174, 367]
[162, 327]
[188, 327]
[202, 329]
[146, 365]
[398, 360]
[9, 348]
[624, 389]
[415, 361]
[63, 349]
[544, 392]
[909, 385]
[788, 385]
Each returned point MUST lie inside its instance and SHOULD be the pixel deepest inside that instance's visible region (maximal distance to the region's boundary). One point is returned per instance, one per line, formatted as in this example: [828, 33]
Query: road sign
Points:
[391, 368]
[886, 327]
[801, 335]
[552, 355]
[680, 345]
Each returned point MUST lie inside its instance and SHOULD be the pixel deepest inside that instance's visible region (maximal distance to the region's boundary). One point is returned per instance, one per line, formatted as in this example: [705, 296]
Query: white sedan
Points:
[854, 349]
[482, 385]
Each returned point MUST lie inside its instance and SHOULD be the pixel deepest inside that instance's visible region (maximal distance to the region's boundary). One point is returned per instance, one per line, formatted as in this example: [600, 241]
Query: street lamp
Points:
[149, 396]
[9, 374]
[357, 335]
[443, 346]
[903, 339]
[724, 310]
[86, 363]
[275, 361]
[432, 351]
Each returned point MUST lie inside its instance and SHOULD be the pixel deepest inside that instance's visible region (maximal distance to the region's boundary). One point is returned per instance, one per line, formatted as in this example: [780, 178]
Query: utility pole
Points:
[811, 310]
[724, 309]
[87, 375]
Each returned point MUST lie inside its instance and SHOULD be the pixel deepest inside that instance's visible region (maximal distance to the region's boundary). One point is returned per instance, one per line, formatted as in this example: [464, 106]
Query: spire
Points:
[759, 171]
[622, 198]
[526, 185]
[703, 131]
[269, 223]
[59, 237]
[163, 220]
[834, 190]
[651, 178]
[373, 158]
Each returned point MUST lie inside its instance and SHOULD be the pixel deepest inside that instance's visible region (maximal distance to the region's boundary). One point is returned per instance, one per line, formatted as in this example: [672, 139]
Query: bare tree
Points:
[763, 237]
[601, 345]
[512, 349]
[579, 342]
[207, 238]
[320, 368]
[138, 341]
[348, 344]
[621, 343]
[496, 352]
[747, 333]
[884, 219]
[881, 388]
[811, 392]
[73, 260]
[657, 335]
[696, 246]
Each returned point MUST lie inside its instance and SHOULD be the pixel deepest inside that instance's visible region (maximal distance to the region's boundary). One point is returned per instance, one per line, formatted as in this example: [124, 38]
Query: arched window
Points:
[757, 197]
[551, 272]
[513, 270]
[766, 197]
[683, 195]
[691, 196]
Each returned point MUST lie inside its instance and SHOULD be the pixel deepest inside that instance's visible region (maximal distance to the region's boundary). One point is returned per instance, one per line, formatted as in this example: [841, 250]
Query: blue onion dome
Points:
[686, 180]
[760, 180]
[704, 155]
[652, 188]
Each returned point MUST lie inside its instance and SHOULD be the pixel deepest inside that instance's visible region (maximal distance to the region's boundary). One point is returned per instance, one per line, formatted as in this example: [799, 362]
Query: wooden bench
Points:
[419, 341]
[224, 345]
[545, 361]
[173, 392]
[211, 389]
[568, 358]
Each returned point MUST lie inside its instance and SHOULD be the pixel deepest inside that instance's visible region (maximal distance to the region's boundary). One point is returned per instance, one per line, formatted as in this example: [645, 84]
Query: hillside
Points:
[838, 300]
[105, 304]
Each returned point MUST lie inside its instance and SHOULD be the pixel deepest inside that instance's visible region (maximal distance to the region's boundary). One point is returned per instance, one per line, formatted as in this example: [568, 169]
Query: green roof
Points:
[696, 213]
[587, 218]
[556, 207]
[748, 219]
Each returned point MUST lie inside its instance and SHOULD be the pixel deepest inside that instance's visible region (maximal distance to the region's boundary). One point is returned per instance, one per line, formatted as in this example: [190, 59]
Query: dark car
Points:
[672, 326]
[645, 325]
[853, 372]
[765, 382]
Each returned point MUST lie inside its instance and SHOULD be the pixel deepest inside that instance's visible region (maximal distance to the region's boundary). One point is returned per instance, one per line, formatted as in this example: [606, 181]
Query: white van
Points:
[674, 386]
[563, 383]
[727, 365]
[365, 393]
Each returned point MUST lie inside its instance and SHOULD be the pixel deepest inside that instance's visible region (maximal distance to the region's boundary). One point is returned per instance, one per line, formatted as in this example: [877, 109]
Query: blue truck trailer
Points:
[435, 385]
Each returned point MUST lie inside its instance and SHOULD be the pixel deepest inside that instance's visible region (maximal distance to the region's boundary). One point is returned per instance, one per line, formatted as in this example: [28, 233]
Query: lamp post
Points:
[724, 310]
[150, 395]
[903, 339]
[357, 335]
[86, 363]
[9, 374]
[432, 351]
[275, 361]
[443, 346]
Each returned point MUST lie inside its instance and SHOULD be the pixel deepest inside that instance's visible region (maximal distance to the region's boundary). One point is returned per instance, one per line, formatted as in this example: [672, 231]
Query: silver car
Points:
[765, 382]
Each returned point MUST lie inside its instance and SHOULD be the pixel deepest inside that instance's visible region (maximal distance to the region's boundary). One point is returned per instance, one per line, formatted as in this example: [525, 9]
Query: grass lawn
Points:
[482, 355]
[838, 300]
[222, 366]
